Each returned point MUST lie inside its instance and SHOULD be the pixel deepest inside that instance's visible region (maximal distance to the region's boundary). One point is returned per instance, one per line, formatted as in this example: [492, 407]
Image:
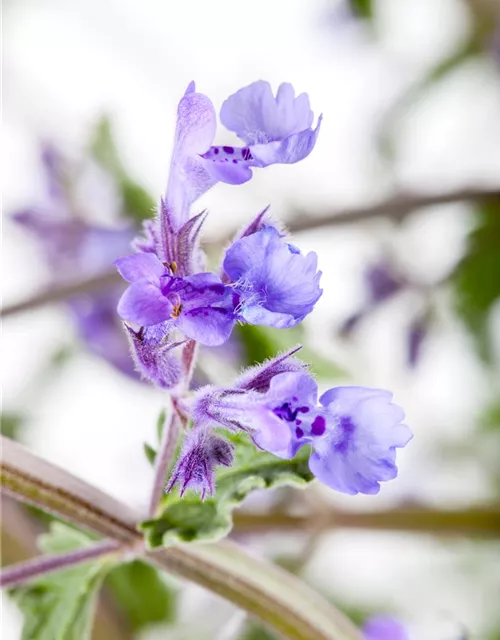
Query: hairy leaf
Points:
[477, 278]
[142, 594]
[60, 606]
[137, 203]
[188, 519]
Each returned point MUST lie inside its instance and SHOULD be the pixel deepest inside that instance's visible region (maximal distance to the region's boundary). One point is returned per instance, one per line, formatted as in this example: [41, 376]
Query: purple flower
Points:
[358, 449]
[354, 431]
[74, 249]
[277, 286]
[201, 306]
[275, 130]
[202, 451]
[383, 627]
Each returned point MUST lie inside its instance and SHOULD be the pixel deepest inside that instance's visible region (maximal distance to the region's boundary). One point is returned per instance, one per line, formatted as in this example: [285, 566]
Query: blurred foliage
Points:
[477, 279]
[137, 203]
[60, 606]
[190, 518]
[160, 425]
[142, 594]
[362, 8]
[11, 423]
[261, 343]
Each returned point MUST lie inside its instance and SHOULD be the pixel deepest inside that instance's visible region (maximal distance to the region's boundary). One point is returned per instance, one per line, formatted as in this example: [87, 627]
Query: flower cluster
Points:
[171, 301]
[263, 278]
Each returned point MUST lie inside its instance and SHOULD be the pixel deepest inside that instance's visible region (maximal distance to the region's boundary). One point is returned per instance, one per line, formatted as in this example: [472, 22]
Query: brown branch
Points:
[482, 522]
[396, 208]
[56, 294]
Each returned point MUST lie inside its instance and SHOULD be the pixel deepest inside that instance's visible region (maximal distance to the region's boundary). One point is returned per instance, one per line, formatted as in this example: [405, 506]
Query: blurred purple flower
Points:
[417, 333]
[74, 249]
[383, 627]
[381, 282]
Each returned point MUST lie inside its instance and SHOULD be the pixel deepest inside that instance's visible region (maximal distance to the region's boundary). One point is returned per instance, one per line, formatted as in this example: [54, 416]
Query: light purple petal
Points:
[289, 150]
[207, 313]
[271, 433]
[257, 117]
[188, 179]
[231, 171]
[277, 286]
[140, 265]
[143, 304]
[211, 326]
[384, 628]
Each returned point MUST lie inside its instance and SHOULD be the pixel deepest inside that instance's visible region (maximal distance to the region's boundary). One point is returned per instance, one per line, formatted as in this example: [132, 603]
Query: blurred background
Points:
[401, 201]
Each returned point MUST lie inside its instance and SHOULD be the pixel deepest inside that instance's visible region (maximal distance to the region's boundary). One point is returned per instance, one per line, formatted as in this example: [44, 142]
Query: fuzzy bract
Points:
[201, 453]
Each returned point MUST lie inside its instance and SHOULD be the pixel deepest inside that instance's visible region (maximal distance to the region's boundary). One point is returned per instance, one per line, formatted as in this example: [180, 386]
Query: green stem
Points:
[278, 599]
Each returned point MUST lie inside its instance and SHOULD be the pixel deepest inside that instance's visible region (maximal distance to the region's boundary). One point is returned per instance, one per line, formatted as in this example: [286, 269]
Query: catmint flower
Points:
[276, 285]
[202, 451]
[383, 627]
[274, 130]
[201, 306]
[358, 449]
[354, 431]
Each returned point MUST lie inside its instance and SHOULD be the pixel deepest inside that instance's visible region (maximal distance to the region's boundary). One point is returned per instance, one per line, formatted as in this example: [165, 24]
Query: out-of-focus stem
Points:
[62, 292]
[396, 207]
[24, 571]
[483, 522]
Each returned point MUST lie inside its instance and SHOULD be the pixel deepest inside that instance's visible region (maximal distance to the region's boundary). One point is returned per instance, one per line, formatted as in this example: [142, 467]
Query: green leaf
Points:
[160, 426]
[60, 606]
[142, 594]
[477, 278]
[261, 343]
[137, 203]
[150, 453]
[188, 519]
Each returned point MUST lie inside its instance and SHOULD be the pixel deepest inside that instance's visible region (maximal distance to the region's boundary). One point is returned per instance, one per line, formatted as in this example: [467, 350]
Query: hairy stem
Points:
[164, 457]
[25, 571]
